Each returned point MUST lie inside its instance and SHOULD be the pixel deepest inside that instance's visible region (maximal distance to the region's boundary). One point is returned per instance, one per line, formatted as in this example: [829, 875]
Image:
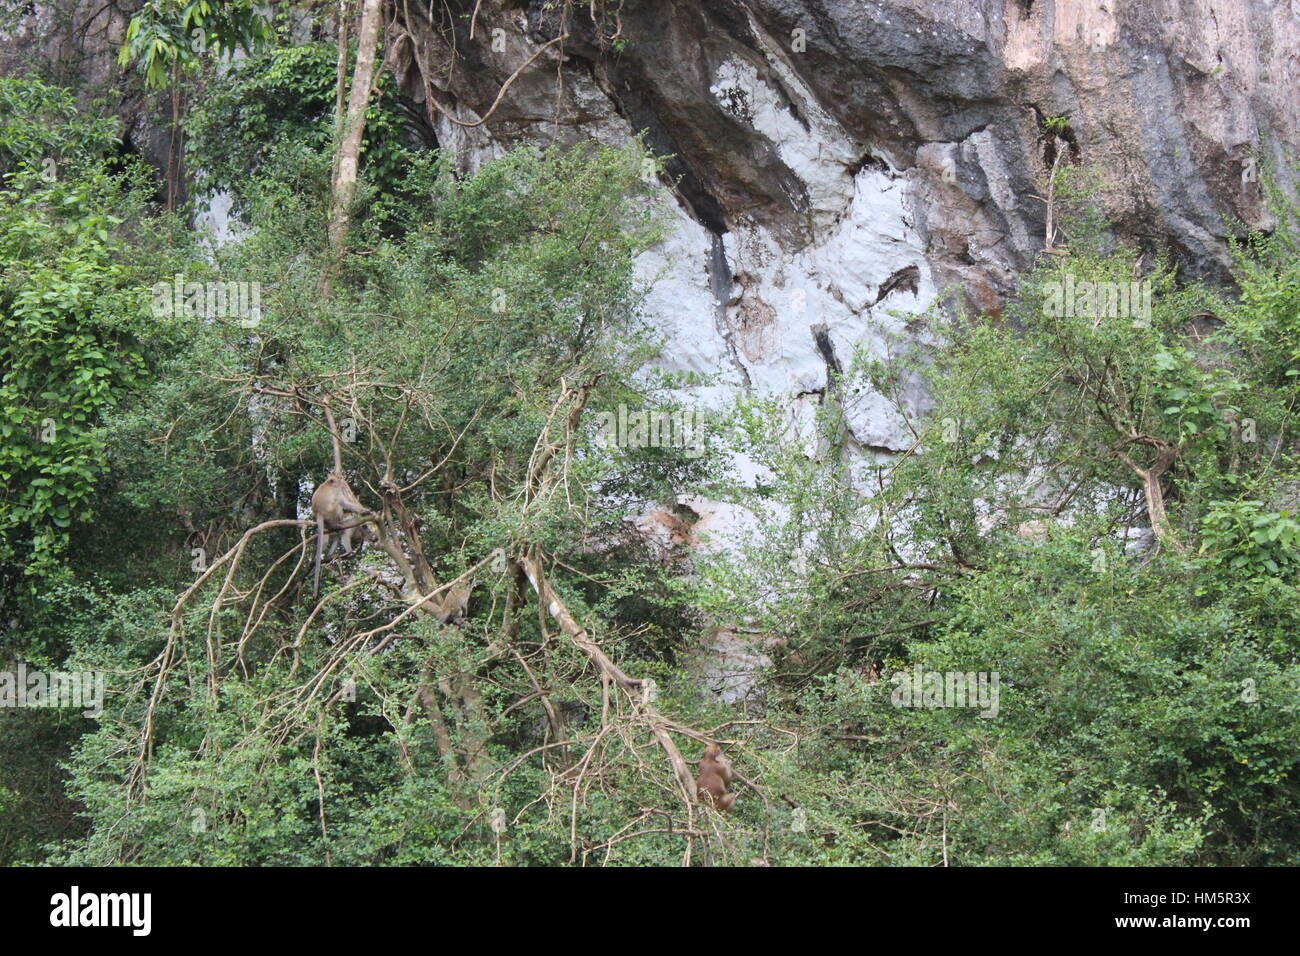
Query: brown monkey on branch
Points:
[715, 776]
[331, 503]
[453, 607]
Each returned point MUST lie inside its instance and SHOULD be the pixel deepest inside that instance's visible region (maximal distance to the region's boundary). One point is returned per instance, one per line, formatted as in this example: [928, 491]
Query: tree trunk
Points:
[345, 165]
[342, 22]
[1155, 497]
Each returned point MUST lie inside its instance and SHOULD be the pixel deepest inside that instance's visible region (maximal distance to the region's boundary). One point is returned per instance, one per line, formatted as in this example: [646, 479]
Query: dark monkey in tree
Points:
[331, 503]
[715, 777]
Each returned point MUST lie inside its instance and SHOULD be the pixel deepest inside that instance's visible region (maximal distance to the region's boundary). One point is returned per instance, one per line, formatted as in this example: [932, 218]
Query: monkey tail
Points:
[320, 547]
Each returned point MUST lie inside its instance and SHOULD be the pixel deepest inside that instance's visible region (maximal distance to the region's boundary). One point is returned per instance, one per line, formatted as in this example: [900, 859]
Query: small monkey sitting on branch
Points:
[453, 608]
[715, 777]
[331, 503]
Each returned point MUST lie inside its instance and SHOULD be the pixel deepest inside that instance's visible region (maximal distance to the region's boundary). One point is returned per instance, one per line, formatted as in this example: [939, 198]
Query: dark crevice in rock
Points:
[633, 98]
[720, 282]
[1048, 136]
[686, 182]
[826, 348]
[906, 279]
[875, 162]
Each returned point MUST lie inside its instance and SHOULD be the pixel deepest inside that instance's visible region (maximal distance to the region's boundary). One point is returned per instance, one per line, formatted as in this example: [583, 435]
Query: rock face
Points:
[835, 161]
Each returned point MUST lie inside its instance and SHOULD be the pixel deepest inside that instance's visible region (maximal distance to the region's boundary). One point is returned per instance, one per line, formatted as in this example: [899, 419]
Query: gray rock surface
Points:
[821, 150]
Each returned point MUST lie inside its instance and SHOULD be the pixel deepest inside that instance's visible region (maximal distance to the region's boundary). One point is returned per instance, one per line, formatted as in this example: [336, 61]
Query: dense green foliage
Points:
[282, 101]
[76, 243]
[1147, 710]
[157, 464]
[167, 36]
[41, 128]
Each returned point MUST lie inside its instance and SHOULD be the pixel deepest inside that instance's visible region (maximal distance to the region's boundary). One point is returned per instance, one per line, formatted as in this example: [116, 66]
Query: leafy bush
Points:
[78, 335]
[284, 98]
